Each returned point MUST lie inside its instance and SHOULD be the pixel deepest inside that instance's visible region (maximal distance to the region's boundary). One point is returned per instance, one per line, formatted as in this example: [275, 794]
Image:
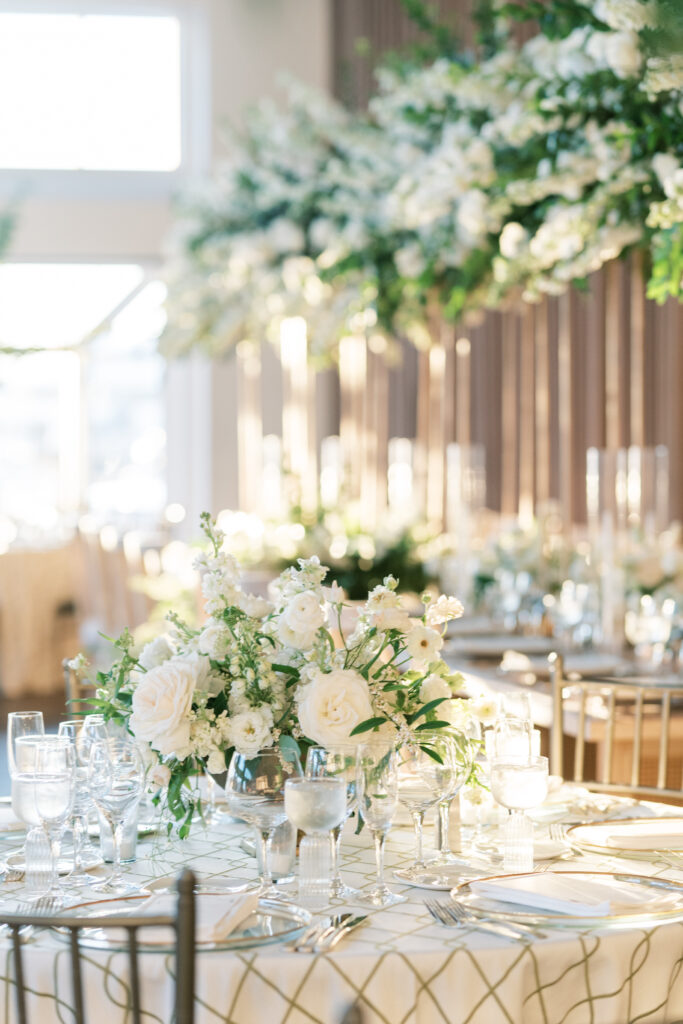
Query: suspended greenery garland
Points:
[467, 185]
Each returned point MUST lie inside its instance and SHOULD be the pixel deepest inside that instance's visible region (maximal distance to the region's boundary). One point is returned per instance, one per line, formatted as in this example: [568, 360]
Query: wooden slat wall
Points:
[607, 367]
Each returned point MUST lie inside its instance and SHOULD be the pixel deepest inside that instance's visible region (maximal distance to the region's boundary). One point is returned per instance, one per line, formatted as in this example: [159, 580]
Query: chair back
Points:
[637, 725]
[183, 925]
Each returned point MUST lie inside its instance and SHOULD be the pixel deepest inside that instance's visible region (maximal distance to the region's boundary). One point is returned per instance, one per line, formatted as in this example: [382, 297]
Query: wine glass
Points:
[255, 789]
[81, 734]
[116, 776]
[377, 788]
[464, 748]
[647, 625]
[53, 783]
[519, 784]
[336, 762]
[427, 773]
[316, 806]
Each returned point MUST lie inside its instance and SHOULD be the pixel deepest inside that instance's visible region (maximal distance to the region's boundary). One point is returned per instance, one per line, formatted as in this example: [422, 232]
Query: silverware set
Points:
[324, 935]
[453, 915]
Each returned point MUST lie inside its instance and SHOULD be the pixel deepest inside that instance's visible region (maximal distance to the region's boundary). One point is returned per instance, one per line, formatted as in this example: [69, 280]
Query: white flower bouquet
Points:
[281, 673]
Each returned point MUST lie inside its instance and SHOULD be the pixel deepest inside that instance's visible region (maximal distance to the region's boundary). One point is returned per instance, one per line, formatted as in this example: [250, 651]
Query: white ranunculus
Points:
[156, 652]
[332, 705]
[422, 643]
[304, 613]
[434, 687]
[622, 53]
[162, 703]
[301, 640]
[513, 239]
[250, 732]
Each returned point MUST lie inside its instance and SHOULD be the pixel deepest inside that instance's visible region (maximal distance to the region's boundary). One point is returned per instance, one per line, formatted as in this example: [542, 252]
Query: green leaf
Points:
[291, 751]
[369, 723]
[425, 709]
[432, 753]
[432, 725]
[287, 670]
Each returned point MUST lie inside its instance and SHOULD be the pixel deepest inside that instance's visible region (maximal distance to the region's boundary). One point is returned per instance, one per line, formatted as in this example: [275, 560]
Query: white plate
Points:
[593, 837]
[440, 879]
[17, 862]
[218, 885]
[273, 922]
[493, 647]
[662, 902]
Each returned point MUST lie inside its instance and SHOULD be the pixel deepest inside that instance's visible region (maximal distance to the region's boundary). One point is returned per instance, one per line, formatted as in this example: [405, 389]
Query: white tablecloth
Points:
[404, 968]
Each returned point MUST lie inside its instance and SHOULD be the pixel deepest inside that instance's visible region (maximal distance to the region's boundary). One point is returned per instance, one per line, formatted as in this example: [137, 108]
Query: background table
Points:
[404, 968]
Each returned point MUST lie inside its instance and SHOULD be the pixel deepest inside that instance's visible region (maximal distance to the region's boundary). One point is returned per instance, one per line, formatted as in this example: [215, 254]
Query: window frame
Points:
[195, 110]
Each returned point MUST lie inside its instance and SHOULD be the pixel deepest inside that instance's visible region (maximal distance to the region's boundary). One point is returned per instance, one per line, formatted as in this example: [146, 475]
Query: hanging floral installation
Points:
[467, 185]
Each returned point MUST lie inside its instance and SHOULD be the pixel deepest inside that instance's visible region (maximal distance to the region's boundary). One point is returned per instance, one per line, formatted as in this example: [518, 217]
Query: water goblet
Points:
[315, 806]
[81, 735]
[464, 749]
[511, 736]
[336, 762]
[377, 788]
[53, 797]
[116, 776]
[255, 790]
[519, 784]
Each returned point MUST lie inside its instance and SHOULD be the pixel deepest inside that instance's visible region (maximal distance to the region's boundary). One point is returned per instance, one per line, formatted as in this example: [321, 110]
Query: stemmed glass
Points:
[338, 762]
[316, 806]
[519, 784]
[116, 776]
[20, 724]
[463, 751]
[54, 783]
[81, 734]
[423, 782]
[255, 790]
[377, 787]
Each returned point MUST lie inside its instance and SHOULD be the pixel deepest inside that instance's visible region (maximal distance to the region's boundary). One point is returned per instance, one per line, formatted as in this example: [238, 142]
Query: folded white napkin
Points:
[641, 836]
[554, 893]
[218, 915]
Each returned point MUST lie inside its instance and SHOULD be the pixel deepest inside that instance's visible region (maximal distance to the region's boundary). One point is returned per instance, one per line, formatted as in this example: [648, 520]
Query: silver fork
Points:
[464, 916]
[557, 832]
[443, 914]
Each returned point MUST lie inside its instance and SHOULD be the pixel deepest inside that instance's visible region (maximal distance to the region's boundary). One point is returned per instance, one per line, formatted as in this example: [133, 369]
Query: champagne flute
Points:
[255, 789]
[20, 724]
[82, 736]
[377, 787]
[336, 762]
[53, 796]
[116, 776]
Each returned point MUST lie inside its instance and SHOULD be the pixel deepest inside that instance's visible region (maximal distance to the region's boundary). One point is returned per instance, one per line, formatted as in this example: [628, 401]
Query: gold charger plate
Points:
[667, 893]
[591, 837]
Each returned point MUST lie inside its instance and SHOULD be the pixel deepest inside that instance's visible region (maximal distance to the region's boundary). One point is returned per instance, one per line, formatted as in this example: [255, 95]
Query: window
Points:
[89, 92]
[103, 381]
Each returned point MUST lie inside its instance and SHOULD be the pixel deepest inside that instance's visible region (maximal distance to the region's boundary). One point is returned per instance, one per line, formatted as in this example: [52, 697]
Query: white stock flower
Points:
[162, 703]
[434, 687]
[513, 240]
[253, 606]
[156, 652]
[214, 641]
[206, 680]
[391, 618]
[422, 643]
[666, 166]
[285, 236]
[622, 53]
[626, 14]
[333, 704]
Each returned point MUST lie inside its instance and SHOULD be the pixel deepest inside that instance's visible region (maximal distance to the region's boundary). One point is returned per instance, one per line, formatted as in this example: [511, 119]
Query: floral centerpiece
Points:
[285, 673]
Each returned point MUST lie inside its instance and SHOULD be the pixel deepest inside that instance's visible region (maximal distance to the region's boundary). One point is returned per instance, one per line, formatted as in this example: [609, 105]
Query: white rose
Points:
[160, 775]
[162, 703]
[304, 613]
[422, 643]
[156, 652]
[622, 53]
[253, 606]
[249, 732]
[302, 641]
[434, 687]
[216, 762]
[513, 238]
[332, 705]
[205, 679]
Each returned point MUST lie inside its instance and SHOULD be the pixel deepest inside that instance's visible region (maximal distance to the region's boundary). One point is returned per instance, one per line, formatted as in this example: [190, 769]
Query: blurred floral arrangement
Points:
[287, 672]
[655, 565]
[468, 184]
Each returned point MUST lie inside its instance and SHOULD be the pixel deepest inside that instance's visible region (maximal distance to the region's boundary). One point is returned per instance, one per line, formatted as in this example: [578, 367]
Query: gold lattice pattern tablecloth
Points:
[401, 966]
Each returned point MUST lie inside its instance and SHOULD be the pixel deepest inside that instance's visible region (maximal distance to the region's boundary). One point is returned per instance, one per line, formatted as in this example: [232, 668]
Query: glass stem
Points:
[445, 823]
[418, 822]
[116, 837]
[79, 826]
[54, 860]
[335, 843]
[379, 838]
[264, 839]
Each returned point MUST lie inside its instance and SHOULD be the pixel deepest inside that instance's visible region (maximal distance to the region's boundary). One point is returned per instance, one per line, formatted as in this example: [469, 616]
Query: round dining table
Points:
[400, 966]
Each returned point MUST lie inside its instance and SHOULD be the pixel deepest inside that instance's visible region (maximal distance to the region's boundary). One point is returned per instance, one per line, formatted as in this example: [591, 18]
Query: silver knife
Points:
[331, 941]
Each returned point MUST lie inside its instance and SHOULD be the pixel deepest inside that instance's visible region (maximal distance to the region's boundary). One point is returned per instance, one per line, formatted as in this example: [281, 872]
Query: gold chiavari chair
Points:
[636, 725]
[183, 925]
